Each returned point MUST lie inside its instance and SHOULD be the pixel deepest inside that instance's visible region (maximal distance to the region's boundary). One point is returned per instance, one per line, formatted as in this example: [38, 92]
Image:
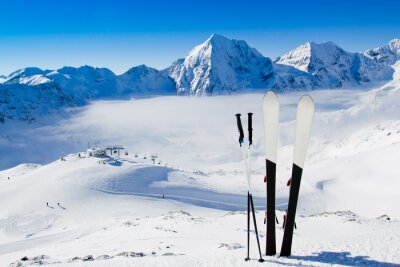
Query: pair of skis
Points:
[246, 158]
[305, 110]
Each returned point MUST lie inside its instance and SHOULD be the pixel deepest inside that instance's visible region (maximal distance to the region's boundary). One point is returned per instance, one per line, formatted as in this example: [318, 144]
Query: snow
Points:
[111, 226]
[113, 208]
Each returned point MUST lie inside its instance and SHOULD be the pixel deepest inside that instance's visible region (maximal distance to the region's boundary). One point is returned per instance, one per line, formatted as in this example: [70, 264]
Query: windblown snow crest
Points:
[217, 66]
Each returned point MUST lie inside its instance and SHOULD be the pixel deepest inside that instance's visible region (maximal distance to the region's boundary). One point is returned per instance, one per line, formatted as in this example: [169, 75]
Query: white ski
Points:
[305, 111]
[271, 122]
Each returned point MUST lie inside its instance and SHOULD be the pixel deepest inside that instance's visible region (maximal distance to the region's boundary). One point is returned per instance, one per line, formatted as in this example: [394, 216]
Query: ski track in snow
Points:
[28, 225]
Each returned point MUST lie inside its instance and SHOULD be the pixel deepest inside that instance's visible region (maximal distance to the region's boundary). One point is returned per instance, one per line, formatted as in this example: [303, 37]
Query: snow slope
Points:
[89, 222]
[199, 135]
[113, 208]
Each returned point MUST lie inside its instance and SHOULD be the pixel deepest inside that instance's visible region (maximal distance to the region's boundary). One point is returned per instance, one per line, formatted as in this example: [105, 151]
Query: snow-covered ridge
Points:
[146, 80]
[217, 66]
[333, 67]
[30, 93]
[387, 54]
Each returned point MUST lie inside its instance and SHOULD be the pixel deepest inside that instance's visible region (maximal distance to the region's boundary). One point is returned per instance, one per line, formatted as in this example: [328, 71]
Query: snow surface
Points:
[113, 208]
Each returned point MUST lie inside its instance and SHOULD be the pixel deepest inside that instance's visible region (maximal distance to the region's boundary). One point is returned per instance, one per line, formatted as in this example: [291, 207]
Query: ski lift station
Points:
[96, 152]
[100, 153]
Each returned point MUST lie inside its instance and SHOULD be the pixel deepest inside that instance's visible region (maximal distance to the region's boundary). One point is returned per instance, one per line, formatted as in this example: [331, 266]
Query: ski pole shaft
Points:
[240, 128]
[248, 226]
[255, 228]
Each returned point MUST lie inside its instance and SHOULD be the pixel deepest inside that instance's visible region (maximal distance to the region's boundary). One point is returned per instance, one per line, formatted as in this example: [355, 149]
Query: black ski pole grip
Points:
[240, 128]
[250, 127]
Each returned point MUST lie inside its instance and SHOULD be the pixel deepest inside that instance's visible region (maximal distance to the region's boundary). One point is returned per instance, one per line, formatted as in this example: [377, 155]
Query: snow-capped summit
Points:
[28, 71]
[29, 76]
[333, 67]
[306, 57]
[221, 66]
[147, 81]
[387, 54]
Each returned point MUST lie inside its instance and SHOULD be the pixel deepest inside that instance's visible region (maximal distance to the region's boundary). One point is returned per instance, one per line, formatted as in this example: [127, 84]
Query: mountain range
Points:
[217, 66]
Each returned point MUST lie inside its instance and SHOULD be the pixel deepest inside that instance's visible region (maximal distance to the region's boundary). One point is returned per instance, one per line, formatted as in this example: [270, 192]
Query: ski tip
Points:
[306, 102]
[271, 101]
[306, 98]
[270, 94]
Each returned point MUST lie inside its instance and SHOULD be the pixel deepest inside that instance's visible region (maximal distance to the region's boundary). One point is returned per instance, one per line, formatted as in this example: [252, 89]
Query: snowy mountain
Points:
[387, 54]
[221, 66]
[147, 81]
[333, 67]
[217, 66]
[32, 92]
[26, 103]
[224, 66]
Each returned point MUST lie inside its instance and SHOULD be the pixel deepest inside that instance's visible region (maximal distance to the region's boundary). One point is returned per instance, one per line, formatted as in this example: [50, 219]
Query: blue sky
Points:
[118, 35]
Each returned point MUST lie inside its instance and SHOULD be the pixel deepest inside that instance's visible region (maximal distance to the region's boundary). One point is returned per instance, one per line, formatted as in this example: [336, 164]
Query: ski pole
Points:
[241, 137]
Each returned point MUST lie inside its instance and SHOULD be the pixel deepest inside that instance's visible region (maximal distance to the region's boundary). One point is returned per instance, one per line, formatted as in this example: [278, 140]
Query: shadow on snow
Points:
[141, 183]
[344, 258]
